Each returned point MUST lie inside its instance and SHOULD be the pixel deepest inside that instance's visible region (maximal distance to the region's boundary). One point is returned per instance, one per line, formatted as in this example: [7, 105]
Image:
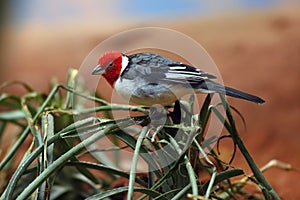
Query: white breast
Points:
[143, 93]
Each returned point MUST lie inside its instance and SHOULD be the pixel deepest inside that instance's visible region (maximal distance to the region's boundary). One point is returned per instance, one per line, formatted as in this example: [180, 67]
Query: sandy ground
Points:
[255, 52]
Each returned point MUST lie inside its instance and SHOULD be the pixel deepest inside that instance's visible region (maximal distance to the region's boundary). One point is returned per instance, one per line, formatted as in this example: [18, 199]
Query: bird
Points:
[148, 78]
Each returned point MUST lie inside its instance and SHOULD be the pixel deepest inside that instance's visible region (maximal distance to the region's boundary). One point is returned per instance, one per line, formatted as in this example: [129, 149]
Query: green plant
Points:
[57, 165]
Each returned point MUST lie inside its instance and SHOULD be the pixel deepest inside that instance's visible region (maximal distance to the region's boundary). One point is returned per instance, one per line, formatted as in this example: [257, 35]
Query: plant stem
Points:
[134, 162]
[256, 171]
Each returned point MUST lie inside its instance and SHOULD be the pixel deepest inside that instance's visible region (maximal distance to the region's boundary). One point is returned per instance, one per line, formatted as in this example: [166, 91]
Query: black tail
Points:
[215, 87]
[243, 95]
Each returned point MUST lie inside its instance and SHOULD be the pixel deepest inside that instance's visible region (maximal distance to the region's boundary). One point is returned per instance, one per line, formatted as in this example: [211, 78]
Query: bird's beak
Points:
[98, 70]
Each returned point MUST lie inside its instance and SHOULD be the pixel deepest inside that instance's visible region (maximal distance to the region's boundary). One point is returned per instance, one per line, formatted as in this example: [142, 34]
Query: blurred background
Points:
[255, 44]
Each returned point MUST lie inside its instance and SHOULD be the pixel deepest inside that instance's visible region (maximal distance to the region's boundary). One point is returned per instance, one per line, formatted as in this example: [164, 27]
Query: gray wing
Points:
[155, 68]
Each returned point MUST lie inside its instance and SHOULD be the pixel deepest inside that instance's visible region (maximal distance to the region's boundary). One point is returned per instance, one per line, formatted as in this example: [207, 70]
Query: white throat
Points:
[125, 62]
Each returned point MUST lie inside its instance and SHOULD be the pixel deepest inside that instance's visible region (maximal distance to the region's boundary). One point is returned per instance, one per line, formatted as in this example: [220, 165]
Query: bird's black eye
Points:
[110, 64]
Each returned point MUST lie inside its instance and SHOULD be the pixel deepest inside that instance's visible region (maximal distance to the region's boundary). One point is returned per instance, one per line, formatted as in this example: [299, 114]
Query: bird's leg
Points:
[176, 114]
[158, 115]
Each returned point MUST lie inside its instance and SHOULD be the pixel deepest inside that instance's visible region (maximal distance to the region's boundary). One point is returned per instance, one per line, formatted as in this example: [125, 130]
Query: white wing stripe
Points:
[177, 67]
[186, 72]
[183, 76]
